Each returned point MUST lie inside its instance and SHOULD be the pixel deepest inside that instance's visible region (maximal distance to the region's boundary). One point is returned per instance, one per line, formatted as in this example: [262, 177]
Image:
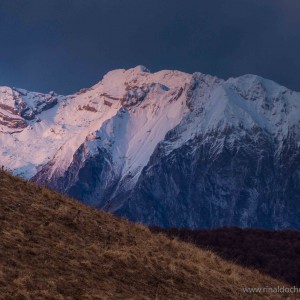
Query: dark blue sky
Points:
[64, 45]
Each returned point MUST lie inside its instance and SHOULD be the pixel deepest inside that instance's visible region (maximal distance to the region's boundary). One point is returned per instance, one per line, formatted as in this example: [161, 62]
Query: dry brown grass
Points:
[53, 247]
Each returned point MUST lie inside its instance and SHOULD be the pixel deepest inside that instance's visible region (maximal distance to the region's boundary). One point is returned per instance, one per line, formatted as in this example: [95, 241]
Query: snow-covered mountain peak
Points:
[141, 69]
[115, 80]
[143, 139]
[19, 108]
[277, 107]
[245, 104]
[143, 106]
[51, 125]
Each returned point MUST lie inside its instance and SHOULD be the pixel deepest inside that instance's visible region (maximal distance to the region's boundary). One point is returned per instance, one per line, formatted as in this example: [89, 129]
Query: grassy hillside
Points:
[276, 253]
[53, 247]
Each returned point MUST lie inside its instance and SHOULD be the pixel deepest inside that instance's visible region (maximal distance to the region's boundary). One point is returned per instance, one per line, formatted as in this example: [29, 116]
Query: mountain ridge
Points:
[122, 141]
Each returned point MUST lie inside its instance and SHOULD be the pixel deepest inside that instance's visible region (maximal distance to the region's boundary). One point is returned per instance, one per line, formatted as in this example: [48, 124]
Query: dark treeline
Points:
[276, 253]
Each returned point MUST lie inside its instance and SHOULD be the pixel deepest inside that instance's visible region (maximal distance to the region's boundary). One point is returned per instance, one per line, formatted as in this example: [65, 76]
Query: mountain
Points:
[53, 247]
[167, 148]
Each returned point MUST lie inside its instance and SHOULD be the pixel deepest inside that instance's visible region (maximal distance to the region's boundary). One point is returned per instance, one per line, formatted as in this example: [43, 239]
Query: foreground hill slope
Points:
[276, 253]
[55, 248]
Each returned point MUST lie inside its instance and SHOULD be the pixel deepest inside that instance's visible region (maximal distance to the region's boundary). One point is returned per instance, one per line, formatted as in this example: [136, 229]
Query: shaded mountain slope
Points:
[55, 248]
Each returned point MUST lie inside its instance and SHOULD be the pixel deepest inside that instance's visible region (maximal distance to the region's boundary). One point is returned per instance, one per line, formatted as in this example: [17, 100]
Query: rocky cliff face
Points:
[171, 149]
[243, 181]
[18, 106]
[233, 161]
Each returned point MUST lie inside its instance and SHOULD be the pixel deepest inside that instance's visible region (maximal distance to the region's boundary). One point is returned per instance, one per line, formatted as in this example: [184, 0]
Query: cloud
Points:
[65, 45]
